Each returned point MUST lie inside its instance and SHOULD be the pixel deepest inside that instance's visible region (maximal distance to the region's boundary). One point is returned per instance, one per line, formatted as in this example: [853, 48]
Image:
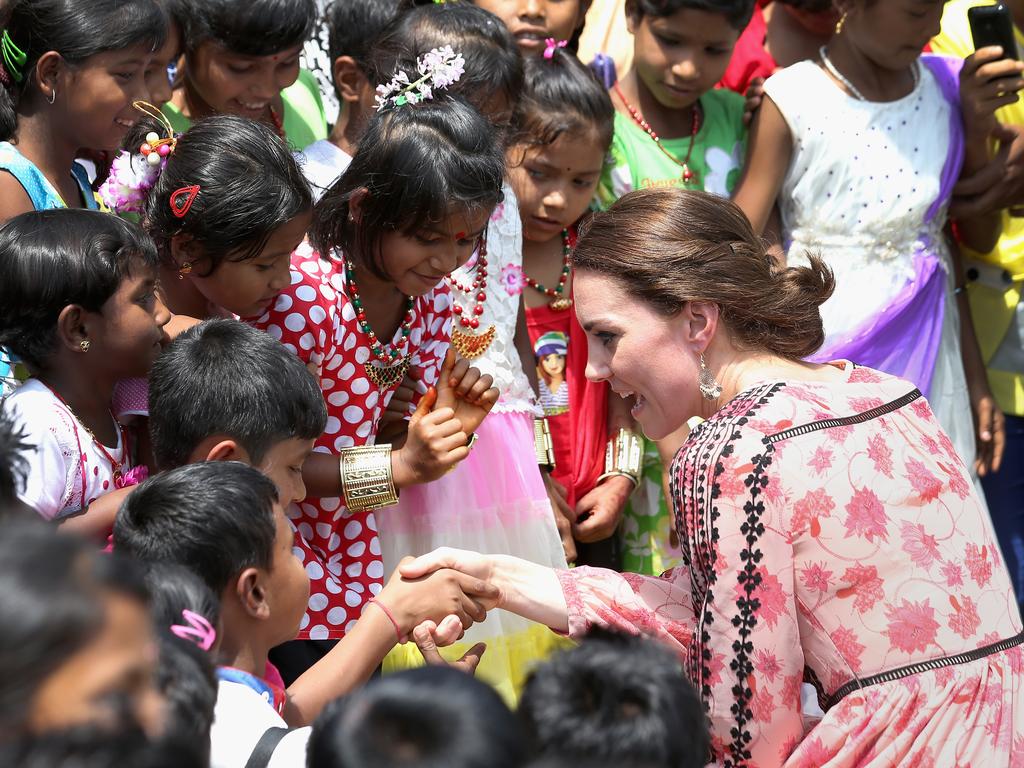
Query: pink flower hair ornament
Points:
[438, 69]
[199, 630]
[133, 175]
[551, 45]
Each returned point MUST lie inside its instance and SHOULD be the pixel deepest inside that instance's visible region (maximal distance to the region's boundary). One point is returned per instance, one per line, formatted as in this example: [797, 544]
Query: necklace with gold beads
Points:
[559, 302]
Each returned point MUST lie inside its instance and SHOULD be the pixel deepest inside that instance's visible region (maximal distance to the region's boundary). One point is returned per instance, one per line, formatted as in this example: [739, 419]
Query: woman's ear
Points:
[698, 324]
[349, 79]
[73, 327]
[251, 594]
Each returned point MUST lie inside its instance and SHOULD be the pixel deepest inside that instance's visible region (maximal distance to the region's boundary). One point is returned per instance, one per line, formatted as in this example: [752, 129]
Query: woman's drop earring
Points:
[840, 24]
[185, 269]
[709, 388]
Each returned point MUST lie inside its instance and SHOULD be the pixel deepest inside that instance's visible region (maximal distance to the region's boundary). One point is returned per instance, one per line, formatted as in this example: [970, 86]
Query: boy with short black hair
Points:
[224, 520]
[616, 697]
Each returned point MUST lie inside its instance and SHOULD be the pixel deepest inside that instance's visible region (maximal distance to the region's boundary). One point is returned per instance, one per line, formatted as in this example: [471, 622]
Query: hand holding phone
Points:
[993, 25]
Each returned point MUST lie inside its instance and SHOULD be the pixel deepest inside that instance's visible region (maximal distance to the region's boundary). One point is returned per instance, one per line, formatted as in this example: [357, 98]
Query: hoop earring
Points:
[709, 387]
[53, 97]
[84, 345]
[185, 269]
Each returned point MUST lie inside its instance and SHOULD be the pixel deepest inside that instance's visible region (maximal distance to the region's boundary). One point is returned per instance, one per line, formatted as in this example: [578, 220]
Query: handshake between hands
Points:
[435, 598]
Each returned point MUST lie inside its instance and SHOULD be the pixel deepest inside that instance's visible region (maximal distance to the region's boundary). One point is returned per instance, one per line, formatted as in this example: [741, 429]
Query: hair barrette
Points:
[438, 69]
[156, 147]
[13, 59]
[551, 45]
[181, 200]
[199, 630]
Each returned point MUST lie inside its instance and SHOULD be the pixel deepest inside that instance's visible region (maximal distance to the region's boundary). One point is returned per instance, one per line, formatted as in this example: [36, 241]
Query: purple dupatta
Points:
[904, 338]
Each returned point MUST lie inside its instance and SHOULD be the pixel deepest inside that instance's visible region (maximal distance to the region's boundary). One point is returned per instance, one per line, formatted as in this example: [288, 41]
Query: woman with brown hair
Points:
[830, 530]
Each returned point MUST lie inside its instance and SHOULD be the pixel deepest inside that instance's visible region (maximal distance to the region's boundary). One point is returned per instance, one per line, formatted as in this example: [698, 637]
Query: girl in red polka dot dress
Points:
[368, 304]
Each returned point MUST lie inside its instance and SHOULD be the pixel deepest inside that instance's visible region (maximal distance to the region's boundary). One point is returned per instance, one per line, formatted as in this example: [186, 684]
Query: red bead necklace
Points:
[116, 466]
[469, 344]
[689, 177]
[394, 362]
[558, 302]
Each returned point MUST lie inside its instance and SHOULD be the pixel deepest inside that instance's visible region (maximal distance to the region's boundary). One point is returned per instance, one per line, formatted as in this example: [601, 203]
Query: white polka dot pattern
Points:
[340, 550]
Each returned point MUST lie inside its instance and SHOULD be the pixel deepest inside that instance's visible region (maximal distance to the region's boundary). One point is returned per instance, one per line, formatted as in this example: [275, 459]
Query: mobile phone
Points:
[993, 25]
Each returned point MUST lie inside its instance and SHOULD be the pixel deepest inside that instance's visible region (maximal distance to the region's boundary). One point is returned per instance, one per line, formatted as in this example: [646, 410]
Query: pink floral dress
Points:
[831, 533]
[314, 318]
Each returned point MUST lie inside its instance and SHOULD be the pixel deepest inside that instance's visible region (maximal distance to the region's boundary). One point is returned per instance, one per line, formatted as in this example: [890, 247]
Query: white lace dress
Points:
[495, 500]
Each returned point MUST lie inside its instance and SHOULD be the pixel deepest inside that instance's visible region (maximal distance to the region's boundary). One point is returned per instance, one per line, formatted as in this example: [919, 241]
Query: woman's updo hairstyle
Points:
[671, 246]
[77, 30]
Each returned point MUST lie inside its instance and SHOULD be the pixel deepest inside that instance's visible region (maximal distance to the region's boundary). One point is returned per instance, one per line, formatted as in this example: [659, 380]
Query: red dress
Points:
[314, 318]
[749, 58]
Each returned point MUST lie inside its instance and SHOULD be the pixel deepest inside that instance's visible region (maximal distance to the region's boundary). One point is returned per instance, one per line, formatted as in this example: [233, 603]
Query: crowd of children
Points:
[267, 331]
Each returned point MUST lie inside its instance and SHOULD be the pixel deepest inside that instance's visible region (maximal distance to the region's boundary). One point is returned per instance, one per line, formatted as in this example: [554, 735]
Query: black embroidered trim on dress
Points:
[846, 421]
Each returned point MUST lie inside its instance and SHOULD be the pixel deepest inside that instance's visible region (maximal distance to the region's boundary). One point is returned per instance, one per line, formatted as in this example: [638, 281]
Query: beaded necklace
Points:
[558, 302]
[391, 364]
[467, 343]
[689, 177]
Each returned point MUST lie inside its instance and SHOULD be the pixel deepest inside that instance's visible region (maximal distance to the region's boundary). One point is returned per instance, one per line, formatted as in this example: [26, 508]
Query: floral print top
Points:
[830, 532]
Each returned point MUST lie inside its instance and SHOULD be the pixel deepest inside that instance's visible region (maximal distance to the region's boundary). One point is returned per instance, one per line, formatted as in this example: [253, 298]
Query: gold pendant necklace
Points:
[559, 302]
[390, 365]
[466, 341]
[471, 345]
[387, 376]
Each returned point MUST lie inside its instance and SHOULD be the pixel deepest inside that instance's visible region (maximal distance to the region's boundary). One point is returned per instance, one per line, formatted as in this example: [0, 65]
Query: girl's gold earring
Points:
[185, 269]
[84, 345]
[840, 24]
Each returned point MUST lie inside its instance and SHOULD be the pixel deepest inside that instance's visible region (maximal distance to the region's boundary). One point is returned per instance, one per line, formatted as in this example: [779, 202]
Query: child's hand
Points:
[401, 400]
[564, 516]
[599, 512]
[426, 641]
[754, 96]
[987, 82]
[435, 596]
[436, 442]
[468, 393]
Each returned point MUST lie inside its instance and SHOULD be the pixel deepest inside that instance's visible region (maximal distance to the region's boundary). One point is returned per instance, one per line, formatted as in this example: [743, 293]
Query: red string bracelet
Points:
[398, 630]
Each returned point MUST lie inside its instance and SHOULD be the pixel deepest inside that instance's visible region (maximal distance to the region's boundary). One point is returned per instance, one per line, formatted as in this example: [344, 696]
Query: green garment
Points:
[304, 119]
[717, 158]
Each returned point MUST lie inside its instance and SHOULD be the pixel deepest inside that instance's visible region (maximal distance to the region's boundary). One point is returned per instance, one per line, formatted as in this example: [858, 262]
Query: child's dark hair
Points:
[616, 697]
[562, 96]
[494, 64]
[185, 675]
[248, 27]
[431, 717]
[417, 163]
[737, 12]
[249, 186]
[215, 518]
[353, 27]
[49, 613]
[98, 746]
[54, 258]
[13, 464]
[76, 29]
[223, 377]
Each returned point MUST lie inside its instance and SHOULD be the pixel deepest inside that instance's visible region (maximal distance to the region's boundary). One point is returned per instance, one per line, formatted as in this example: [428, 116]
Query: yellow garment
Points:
[993, 302]
[507, 663]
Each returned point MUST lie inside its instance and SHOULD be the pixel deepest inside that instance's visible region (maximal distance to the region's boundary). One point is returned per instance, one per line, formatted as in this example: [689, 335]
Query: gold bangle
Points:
[542, 445]
[366, 478]
[624, 456]
[606, 475]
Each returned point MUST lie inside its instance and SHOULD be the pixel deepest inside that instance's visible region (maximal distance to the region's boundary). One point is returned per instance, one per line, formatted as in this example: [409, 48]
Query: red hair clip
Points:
[182, 199]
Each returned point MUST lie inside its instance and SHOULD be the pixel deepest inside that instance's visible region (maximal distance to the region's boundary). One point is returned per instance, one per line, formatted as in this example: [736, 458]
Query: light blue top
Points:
[39, 190]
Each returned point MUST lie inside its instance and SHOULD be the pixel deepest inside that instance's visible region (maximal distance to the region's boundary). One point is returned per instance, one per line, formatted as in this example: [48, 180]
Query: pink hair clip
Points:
[200, 630]
[551, 44]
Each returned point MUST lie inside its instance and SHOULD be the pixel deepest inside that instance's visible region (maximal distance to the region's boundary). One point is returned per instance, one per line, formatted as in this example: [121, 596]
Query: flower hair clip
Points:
[438, 69]
[551, 45]
[130, 182]
[199, 630]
